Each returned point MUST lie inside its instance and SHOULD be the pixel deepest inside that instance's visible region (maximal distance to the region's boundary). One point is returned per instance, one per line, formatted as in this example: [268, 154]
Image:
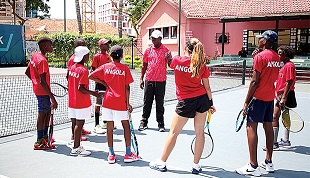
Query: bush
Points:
[137, 63]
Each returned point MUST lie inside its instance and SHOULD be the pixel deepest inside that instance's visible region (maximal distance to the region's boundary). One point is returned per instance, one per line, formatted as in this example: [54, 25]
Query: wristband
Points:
[211, 102]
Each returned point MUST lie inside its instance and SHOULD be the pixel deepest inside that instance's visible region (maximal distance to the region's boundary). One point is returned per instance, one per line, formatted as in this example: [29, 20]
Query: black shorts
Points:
[100, 87]
[189, 107]
[291, 100]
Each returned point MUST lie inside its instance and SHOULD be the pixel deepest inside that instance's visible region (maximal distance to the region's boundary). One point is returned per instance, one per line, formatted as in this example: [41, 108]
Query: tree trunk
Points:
[78, 16]
[120, 18]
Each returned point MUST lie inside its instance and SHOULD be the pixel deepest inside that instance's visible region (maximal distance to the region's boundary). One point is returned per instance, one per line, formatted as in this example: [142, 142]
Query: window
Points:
[166, 32]
[173, 32]
[219, 38]
[159, 29]
[150, 32]
[284, 37]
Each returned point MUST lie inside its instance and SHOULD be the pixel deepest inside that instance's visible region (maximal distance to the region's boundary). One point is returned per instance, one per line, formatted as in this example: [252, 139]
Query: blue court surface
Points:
[19, 160]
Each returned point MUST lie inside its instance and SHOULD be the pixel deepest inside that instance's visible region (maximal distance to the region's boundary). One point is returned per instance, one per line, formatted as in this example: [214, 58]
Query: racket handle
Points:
[209, 116]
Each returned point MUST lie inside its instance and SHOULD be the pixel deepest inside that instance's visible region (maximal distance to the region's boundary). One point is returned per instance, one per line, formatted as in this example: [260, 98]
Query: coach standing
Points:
[154, 66]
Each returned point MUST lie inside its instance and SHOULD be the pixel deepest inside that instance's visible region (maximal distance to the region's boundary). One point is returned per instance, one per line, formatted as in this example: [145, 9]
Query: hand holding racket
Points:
[209, 144]
[58, 89]
[241, 117]
[291, 120]
[134, 142]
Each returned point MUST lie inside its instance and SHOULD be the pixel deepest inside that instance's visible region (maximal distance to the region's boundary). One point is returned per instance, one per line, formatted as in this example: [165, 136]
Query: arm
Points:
[206, 84]
[129, 107]
[289, 83]
[252, 88]
[143, 69]
[86, 91]
[48, 90]
[27, 72]
[97, 80]
[168, 57]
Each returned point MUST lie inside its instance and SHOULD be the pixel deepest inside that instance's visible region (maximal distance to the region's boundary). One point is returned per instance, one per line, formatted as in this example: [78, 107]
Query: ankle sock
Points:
[40, 134]
[267, 162]
[128, 150]
[111, 151]
[196, 166]
[254, 166]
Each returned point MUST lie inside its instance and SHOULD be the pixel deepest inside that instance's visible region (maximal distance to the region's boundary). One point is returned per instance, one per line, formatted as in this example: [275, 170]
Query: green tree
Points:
[39, 5]
[78, 16]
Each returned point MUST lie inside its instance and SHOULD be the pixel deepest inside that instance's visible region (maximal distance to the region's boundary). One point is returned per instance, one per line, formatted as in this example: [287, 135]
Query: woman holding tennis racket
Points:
[194, 100]
[285, 94]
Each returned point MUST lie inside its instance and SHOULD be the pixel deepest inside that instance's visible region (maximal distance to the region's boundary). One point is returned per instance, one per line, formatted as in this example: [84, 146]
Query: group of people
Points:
[192, 90]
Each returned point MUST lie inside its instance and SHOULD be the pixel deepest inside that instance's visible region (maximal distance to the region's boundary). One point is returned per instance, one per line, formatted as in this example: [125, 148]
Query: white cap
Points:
[156, 34]
[80, 52]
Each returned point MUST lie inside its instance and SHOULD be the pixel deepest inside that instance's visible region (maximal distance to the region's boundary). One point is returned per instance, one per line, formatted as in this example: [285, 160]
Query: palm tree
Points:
[78, 16]
[120, 18]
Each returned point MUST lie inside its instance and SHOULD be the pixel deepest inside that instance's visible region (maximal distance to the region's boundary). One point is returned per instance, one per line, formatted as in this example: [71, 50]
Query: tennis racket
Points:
[241, 117]
[134, 142]
[51, 129]
[58, 89]
[209, 144]
[291, 120]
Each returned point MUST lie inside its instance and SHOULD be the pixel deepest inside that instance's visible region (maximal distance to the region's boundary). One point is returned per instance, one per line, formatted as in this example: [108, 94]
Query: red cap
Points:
[103, 41]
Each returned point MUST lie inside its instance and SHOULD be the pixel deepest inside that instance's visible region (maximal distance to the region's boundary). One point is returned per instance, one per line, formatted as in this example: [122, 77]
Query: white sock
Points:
[275, 134]
[286, 135]
[196, 166]
[160, 162]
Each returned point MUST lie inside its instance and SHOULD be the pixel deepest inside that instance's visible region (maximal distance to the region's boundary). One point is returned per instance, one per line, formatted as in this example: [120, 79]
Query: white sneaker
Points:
[79, 151]
[268, 167]
[99, 129]
[249, 170]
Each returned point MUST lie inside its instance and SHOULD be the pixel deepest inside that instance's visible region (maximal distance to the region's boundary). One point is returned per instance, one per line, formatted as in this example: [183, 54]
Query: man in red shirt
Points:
[116, 77]
[102, 57]
[38, 72]
[266, 68]
[154, 66]
[77, 42]
[79, 97]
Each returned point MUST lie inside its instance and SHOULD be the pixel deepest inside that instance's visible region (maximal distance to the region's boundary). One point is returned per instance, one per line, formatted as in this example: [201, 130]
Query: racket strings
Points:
[57, 90]
[292, 121]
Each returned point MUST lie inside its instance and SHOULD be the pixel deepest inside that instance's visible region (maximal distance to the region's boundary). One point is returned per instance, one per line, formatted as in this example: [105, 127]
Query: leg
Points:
[41, 120]
[269, 140]
[275, 123]
[148, 101]
[78, 132]
[110, 128]
[252, 141]
[73, 123]
[199, 122]
[97, 112]
[160, 88]
[176, 127]
[127, 133]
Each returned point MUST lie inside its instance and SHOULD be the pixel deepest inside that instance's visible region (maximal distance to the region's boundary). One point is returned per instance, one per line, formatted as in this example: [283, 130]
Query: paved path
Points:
[18, 159]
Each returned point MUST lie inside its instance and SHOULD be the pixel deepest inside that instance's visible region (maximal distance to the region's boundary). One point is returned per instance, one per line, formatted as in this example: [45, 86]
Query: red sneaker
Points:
[85, 132]
[43, 145]
[83, 138]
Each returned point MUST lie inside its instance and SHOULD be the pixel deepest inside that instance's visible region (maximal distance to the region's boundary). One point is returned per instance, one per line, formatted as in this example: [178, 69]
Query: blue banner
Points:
[12, 46]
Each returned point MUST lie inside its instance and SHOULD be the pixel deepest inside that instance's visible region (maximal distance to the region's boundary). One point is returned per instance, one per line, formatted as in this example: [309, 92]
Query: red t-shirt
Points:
[287, 72]
[267, 63]
[186, 85]
[78, 75]
[117, 76]
[38, 65]
[71, 61]
[157, 63]
[99, 59]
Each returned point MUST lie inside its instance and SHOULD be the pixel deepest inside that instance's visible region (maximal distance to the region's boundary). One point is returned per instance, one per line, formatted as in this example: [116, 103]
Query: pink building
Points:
[238, 21]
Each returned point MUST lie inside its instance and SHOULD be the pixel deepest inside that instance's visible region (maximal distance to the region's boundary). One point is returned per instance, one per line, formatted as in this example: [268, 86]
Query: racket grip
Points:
[209, 116]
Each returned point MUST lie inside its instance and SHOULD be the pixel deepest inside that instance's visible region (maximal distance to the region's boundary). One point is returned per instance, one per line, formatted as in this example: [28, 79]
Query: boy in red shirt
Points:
[102, 57]
[266, 68]
[285, 94]
[38, 72]
[116, 77]
[79, 97]
[77, 42]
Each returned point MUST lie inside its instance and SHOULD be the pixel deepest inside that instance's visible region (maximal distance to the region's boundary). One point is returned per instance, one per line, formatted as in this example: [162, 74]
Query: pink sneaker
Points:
[111, 159]
[131, 158]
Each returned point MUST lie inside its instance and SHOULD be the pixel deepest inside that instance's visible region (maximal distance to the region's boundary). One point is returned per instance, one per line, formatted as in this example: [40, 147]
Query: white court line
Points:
[2, 176]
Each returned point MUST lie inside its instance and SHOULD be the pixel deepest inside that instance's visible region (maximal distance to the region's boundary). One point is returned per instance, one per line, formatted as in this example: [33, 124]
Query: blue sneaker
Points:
[158, 167]
[196, 171]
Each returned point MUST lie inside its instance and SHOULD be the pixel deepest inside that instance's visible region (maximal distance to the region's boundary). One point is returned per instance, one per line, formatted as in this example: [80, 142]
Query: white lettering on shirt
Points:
[183, 68]
[273, 64]
[74, 74]
[114, 72]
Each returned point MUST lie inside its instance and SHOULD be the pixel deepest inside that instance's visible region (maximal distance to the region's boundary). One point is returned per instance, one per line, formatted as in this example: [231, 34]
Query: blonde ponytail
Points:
[198, 58]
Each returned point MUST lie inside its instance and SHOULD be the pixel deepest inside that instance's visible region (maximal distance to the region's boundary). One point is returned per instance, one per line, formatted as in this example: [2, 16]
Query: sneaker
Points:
[43, 145]
[111, 159]
[161, 129]
[79, 151]
[283, 143]
[85, 132]
[159, 167]
[131, 158]
[249, 170]
[104, 125]
[196, 170]
[83, 138]
[267, 166]
[99, 129]
[275, 147]
[142, 126]
[51, 146]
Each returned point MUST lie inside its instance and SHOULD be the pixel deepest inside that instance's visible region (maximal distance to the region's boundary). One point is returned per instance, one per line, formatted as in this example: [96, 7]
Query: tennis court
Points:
[18, 159]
